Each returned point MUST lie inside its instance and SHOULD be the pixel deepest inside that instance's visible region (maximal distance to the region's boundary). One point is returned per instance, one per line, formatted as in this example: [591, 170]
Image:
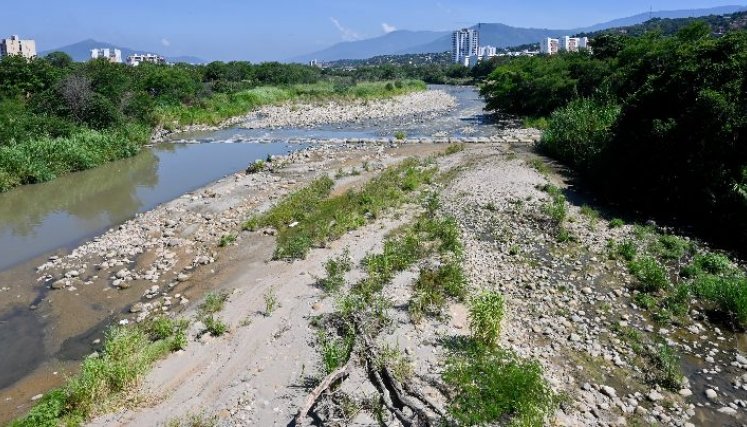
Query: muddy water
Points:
[41, 218]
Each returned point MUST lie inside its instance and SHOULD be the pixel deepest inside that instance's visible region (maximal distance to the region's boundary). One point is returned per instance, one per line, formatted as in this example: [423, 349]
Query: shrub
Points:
[650, 274]
[578, 133]
[336, 269]
[486, 315]
[434, 286]
[616, 223]
[496, 386]
[728, 294]
[214, 326]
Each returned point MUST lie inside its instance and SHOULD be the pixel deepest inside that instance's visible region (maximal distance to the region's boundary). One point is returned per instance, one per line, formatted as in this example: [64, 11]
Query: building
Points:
[113, 55]
[15, 46]
[488, 51]
[550, 46]
[464, 43]
[315, 63]
[139, 58]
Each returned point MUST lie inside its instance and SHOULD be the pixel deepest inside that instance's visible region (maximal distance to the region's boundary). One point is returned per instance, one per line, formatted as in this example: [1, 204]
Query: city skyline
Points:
[261, 32]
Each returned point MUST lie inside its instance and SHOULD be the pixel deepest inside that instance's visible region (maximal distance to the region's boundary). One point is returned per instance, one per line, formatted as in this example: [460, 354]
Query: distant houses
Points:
[139, 58]
[551, 46]
[15, 46]
[112, 55]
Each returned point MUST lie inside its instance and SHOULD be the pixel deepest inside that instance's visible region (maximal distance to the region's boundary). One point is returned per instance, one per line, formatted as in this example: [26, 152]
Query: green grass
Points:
[670, 247]
[454, 148]
[495, 386]
[227, 239]
[336, 269]
[434, 287]
[213, 303]
[320, 219]
[616, 223]
[335, 351]
[726, 293]
[220, 106]
[590, 213]
[44, 159]
[650, 273]
[214, 325]
[540, 166]
[105, 381]
[626, 250]
[271, 302]
[194, 420]
[485, 317]
[400, 136]
[556, 208]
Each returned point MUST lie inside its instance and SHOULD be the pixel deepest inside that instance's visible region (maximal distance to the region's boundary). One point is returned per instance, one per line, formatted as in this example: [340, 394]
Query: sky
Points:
[280, 29]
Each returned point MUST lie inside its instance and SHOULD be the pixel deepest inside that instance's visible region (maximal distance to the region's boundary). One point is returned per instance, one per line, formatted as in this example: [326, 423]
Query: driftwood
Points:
[408, 405]
[336, 375]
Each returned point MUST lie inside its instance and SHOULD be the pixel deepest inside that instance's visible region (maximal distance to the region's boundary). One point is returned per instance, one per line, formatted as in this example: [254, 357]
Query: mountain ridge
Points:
[494, 34]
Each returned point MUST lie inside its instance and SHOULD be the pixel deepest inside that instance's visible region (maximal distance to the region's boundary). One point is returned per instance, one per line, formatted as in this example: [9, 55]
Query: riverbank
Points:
[37, 160]
[568, 306]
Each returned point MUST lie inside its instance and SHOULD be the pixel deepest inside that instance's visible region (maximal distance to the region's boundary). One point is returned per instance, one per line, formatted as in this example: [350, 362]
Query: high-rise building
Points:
[549, 46]
[113, 55]
[464, 43]
[15, 46]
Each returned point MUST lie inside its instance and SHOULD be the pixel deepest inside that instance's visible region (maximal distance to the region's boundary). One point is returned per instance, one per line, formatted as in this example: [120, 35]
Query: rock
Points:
[686, 392]
[182, 277]
[122, 274]
[655, 396]
[741, 359]
[37, 397]
[711, 394]
[587, 290]
[609, 391]
[574, 338]
[59, 284]
[137, 308]
[727, 410]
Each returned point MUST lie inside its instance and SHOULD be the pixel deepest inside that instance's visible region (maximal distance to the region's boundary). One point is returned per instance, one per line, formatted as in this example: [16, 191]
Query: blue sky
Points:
[279, 29]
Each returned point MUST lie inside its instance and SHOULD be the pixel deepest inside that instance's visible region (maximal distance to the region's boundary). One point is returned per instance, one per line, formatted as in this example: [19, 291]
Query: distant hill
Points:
[499, 35]
[81, 52]
[391, 43]
[663, 14]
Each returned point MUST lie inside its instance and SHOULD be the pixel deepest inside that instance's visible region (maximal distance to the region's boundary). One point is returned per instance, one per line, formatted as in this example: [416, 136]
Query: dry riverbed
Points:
[568, 306]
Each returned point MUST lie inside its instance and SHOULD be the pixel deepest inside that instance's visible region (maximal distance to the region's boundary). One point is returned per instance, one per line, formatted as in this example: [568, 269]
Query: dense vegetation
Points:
[655, 120]
[57, 116]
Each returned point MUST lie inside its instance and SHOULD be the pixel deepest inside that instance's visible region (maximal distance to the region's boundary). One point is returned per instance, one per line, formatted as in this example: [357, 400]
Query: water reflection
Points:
[37, 219]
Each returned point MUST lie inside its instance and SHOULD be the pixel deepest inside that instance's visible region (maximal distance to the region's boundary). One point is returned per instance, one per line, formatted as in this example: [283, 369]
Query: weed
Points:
[563, 235]
[626, 250]
[454, 148]
[556, 208]
[214, 326]
[493, 385]
[540, 166]
[713, 263]
[335, 351]
[646, 301]
[400, 135]
[650, 273]
[485, 315]
[194, 420]
[213, 303]
[256, 167]
[398, 363]
[336, 269]
[666, 363]
[616, 223]
[227, 239]
[433, 287]
[590, 213]
[670, 247]
[271, 302]
[727, 293]
[514, 250]
[642, 231]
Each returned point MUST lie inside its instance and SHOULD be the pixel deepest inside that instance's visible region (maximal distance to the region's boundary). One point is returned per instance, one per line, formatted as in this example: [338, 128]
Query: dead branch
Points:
[336, 375]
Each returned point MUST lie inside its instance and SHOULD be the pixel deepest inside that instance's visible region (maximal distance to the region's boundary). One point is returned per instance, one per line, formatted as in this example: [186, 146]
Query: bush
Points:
[728, 294]
[496, 386]
[485, 316]
[578, 133]
[651, 275]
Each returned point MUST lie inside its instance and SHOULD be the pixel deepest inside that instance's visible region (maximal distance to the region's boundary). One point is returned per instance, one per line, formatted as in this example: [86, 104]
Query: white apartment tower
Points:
[113, 55]
[15, 46]
[464, 43]
[550, 46]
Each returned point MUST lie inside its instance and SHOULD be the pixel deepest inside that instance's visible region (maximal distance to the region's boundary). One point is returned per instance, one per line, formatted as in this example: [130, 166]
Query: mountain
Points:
[394, 42]
[499, 35]
[81, 52]
[664, 14]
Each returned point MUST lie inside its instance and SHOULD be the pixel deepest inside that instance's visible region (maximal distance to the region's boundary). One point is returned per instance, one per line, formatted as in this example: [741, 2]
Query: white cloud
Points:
[347, 34]
[388, 28]
[166, 42]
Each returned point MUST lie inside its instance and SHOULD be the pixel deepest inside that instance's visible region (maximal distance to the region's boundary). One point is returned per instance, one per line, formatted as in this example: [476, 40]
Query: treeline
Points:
[658, 121]
[57, 116]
